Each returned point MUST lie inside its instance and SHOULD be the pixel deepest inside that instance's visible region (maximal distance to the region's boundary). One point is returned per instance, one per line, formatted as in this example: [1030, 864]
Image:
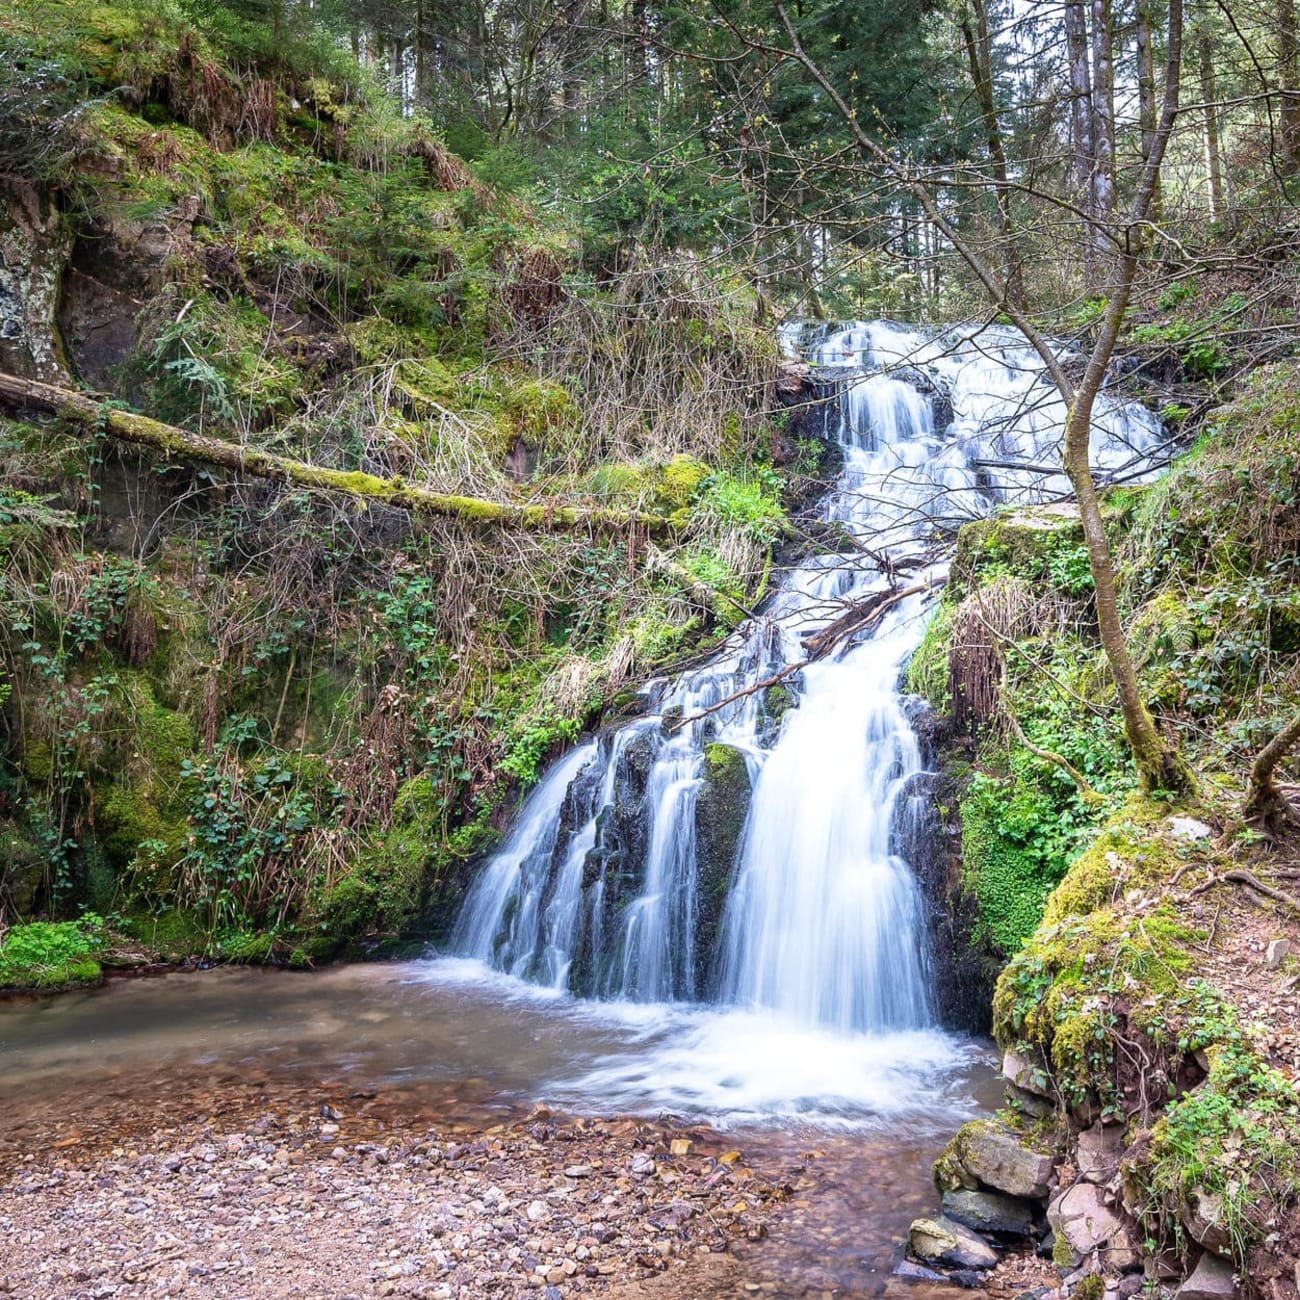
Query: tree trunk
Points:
[1146, 74]
[1209, 96]
[1103, 122]
[1288, 68]
[94, 416]
[979, 54]
[1082, 145]
[1265, 803]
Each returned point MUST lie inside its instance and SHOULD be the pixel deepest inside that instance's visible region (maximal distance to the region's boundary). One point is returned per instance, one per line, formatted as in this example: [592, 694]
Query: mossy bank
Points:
[276, 719]
[1143, 1008]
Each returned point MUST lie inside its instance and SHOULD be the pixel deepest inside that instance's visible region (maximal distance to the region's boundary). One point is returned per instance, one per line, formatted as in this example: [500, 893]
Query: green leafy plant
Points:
[49, 954]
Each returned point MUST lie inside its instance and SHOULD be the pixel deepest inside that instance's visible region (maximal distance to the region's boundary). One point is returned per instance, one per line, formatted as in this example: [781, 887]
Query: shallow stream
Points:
[448, 1039]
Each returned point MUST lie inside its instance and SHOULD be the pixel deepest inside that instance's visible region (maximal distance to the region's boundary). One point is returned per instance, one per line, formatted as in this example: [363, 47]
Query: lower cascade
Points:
[746, 841]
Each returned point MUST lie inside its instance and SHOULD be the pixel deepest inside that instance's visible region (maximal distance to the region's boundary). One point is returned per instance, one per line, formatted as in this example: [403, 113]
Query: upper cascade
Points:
[610, 885]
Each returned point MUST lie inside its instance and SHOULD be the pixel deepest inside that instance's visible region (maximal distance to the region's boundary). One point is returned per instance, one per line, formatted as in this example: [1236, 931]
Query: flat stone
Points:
[1099, 1151]
[1081, 1218]
[1278, 951]
[942, 1241]
[918, 1272]
[990, 1212]
[1027, 1103]
[1189, 828]
[1211, 1279]
[997, 1159]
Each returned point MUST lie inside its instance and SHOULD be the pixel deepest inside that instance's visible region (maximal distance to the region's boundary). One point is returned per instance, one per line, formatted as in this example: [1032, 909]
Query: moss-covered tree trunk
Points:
[92, 415]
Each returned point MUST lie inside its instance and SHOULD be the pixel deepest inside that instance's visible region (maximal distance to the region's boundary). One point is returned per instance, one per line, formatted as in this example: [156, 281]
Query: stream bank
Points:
[1147, 1007]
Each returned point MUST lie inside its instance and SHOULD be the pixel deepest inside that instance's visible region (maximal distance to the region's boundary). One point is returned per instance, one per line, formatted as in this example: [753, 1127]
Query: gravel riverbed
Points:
[333, 1200]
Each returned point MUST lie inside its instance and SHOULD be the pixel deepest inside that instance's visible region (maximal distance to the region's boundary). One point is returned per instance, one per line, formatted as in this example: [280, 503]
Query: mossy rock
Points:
[990, 1153]
[1021, 542]
[388, 883]
[22, 869]
[721, 810]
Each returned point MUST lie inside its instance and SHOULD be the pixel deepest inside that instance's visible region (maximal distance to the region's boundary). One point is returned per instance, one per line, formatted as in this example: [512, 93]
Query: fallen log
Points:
[97, 416]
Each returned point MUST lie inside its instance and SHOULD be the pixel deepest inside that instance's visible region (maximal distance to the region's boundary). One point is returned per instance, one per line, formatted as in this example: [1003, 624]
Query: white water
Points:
[598, 890]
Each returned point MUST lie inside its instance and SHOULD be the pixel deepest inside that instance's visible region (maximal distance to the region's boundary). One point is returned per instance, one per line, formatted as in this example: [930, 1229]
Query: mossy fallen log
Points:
[86, 411]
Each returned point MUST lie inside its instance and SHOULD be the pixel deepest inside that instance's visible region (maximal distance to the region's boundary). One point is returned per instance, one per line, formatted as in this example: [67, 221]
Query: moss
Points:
[1133, 851]
[679, 482]
[1066, 991]
[38, 760]
[174, 934]
[387, 884]
[927, 670]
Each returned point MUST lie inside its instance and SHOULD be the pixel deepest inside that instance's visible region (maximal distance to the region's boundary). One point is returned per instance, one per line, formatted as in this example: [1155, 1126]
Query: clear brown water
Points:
[447, 1041]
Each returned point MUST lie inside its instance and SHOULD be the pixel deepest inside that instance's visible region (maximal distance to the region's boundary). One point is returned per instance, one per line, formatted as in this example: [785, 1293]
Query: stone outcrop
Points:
[720, 813]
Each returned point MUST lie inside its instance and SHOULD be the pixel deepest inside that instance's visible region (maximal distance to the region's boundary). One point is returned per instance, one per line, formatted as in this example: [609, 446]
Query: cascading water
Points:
[605, 888]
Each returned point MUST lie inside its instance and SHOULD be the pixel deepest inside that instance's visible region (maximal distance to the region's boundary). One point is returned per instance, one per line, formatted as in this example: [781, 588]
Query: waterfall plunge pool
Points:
[448, 1038]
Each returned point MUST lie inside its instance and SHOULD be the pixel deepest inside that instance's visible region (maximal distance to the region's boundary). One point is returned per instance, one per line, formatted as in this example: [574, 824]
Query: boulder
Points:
[721, 809]
[996, 1159]
[941, 1241]
[1081, 1220]
[1211, 1279]
[990, 1212]
[1099, 1151]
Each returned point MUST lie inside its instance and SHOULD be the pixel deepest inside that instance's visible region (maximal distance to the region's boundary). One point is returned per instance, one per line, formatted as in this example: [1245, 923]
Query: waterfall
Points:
[605, 888]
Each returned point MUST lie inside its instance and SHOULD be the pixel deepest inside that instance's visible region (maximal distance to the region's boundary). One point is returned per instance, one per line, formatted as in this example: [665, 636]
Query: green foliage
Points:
[1016, 843]
[750, 502]
[927, 670]
[49, 954]
[244, 827]
[1230, 1143]
[1068, 992]
[534, 743]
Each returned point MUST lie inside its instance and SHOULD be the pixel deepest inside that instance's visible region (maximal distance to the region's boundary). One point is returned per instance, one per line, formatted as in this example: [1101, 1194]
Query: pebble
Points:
[270, 1207]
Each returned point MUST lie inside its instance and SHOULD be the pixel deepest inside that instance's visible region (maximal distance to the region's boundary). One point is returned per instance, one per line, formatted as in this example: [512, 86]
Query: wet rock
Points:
[990, 1212]
[914, 1272]
[720, 812]
[1082, 1219]
[985, 1154]
[942, 1241]
[1212, 1279]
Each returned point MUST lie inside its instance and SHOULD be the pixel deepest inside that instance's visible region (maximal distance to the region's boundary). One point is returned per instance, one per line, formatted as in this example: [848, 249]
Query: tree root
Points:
[1251, 881]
